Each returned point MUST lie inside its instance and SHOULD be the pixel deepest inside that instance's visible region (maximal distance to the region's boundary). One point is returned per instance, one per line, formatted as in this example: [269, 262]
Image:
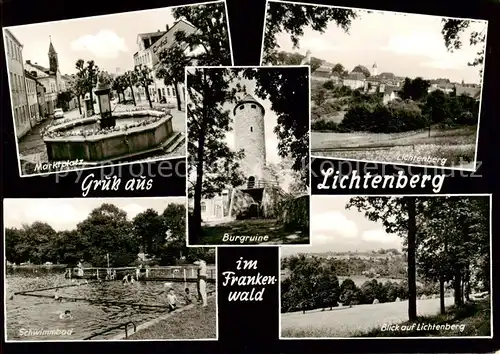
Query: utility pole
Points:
[430, 121]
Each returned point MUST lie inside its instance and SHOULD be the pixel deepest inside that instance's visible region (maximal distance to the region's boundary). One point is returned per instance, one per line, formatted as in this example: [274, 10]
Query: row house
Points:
[150, 47]
[17, 82]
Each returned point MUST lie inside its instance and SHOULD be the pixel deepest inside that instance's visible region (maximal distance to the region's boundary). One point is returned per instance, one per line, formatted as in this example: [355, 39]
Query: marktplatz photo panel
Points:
[386, 86]
[390, 266]
[105, 269]
[248, 155]
[107, 90]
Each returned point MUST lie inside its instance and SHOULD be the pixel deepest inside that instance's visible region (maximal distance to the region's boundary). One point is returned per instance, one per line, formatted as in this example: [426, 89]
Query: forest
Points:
[107, 230]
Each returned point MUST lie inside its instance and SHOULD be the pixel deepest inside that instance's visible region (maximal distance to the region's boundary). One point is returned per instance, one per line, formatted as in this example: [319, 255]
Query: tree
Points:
[211, 34]
[288, 90]
[148, 227]
[143, 77]
[130, 78]
[174, 223]
[77, 89]
[415, 89]
[212, 165]
[88, 75]
[436, 106]
[13, 237]
[453, 29]
[172, 62]
[107, 230]
[361, 69]
[292, 18]
[339, 70]
[320, 96]
[120, 85]
[398, 216]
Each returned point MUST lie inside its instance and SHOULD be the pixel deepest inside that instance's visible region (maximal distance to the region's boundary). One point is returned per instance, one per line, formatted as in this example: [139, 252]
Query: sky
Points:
[65, 214]
[109, 40]
[335, 229]
[404, 44]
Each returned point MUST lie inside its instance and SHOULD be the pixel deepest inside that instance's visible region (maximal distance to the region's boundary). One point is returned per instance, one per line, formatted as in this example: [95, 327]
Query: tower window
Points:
[251, 182]
[203, 207]
[251, 129]
[253, 106]
[242, 106]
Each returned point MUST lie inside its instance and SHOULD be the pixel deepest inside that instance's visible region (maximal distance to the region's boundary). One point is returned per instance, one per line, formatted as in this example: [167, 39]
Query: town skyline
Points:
[109, 40]
[417, 49]
[64, 214]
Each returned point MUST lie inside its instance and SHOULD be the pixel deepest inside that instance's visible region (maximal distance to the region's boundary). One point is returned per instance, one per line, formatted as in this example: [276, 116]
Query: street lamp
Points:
[103, 92]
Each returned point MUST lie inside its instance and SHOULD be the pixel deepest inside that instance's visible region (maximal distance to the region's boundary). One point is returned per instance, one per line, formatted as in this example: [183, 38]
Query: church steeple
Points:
[374, 69]
[53, 61]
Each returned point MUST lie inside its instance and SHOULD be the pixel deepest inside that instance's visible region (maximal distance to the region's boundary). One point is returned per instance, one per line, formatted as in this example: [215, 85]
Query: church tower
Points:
[307, 58]
[374, 69]
[53, 61]
[250, 136]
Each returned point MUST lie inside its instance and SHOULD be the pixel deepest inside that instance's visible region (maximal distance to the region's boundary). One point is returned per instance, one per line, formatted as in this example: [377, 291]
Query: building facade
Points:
[250, 137]
[49, 83]
[32, 97]
[19, 97]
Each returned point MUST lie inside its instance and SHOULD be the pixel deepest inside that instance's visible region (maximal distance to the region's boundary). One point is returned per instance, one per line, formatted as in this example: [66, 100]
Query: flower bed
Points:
[107, 144]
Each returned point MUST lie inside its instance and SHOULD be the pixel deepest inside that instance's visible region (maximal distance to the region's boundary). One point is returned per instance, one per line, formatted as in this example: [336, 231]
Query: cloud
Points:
[105, 44]
[317, 45]
[379, 236]
[59, 215]
[326, 227]
[429, 44]
[132, 210]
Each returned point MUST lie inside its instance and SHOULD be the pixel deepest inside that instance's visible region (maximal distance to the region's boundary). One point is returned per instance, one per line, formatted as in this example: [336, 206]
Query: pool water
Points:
[26, 313]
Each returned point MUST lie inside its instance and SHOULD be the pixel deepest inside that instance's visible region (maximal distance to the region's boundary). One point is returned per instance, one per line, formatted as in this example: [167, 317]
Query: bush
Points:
[325, 125]
[329, 85]
[294, 214]
[395, 117]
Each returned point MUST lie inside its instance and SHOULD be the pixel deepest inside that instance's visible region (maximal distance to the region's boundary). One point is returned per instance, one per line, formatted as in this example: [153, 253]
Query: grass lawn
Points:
[452, 146]
[195, 323]
[474, 318]
[255, 227]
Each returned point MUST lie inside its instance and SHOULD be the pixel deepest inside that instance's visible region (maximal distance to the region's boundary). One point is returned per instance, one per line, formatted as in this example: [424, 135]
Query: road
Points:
[344, 322]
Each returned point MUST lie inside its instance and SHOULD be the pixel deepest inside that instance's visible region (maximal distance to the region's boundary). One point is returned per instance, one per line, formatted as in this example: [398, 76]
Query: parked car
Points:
[58, 113]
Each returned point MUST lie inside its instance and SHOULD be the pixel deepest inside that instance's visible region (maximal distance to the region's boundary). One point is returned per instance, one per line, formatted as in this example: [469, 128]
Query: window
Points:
[242, 106]
[251, 129]
[173, 91]
[16, 115]
[168, 91]
[253, 106]
[8, 47]
[203, 207]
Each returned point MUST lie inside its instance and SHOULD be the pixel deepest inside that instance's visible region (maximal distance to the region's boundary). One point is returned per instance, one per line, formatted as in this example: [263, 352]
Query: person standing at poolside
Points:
[202, 281]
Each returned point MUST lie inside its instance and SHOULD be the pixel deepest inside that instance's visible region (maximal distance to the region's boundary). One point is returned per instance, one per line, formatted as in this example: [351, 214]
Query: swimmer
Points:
[66, 315]
[171, 300]
[127, 279]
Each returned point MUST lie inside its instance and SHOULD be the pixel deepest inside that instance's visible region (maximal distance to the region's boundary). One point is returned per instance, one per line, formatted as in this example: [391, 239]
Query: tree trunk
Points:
[79, 105]
[199, 168]
[458, 286]
[119, 97]
[412, 279]
[177, 96]
[147, 96]
[441, 294]
[92, 112]
[132, 92]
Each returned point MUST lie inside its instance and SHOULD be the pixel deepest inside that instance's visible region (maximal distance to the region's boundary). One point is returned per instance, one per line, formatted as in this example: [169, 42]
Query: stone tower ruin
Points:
[250, 137]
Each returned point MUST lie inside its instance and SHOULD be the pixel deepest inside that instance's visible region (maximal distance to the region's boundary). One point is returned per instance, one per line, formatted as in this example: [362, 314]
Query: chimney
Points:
[28, 62]
[167, 27]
